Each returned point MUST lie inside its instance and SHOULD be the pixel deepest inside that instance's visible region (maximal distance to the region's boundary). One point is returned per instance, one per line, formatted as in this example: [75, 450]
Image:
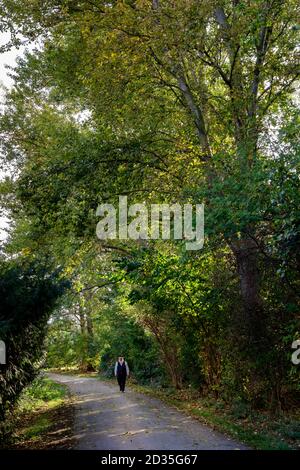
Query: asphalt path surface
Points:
[106, 419]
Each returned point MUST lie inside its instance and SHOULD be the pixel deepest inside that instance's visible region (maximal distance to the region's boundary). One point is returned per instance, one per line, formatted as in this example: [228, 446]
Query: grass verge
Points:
[43, 418]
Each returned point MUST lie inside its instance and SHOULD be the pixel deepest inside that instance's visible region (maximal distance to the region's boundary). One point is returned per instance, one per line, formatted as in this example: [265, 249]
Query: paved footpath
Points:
[107, 419]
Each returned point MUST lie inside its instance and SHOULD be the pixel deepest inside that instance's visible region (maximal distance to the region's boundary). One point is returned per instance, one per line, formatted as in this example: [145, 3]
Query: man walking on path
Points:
[121, 372]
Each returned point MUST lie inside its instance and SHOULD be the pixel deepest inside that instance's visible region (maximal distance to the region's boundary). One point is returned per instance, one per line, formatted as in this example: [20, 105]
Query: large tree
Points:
[163, 101]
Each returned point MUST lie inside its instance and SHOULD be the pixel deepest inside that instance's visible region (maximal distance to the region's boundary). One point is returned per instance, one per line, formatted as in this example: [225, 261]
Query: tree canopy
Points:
[165, 102]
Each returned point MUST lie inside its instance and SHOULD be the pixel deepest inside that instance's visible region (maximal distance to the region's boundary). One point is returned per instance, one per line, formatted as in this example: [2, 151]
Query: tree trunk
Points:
[168, 349]
[90, 339]
[81, 321]
[171, 362]
[246, 255]
[89, 326]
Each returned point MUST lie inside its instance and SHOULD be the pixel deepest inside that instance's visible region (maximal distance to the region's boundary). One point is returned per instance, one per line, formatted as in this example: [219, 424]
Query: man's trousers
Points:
[121, 381]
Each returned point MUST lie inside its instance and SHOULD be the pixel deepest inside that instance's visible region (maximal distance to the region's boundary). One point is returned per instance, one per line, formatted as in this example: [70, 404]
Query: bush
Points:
[28, 295]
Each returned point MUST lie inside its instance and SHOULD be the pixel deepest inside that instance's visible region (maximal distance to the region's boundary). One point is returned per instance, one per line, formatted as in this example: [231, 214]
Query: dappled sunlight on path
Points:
[108, 419]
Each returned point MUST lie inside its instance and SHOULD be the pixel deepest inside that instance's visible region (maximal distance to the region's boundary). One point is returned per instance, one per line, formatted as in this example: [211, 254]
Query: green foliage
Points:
[182, 102]
[41, 391]
[28, 295]
[114, 333]
[32, 415]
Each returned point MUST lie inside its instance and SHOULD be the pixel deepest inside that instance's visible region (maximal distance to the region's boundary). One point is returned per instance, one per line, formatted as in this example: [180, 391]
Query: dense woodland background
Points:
[163, 101]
